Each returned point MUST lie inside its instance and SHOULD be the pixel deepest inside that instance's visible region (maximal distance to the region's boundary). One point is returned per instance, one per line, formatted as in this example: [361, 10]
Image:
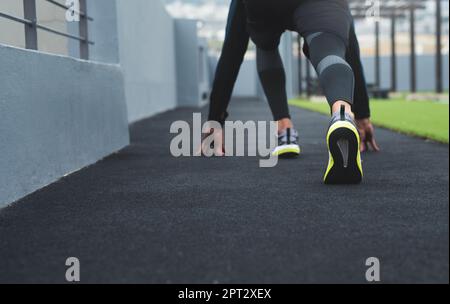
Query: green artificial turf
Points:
[419, 118]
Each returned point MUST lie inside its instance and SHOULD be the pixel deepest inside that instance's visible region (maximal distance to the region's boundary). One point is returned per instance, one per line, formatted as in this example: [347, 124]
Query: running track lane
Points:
[142, 216]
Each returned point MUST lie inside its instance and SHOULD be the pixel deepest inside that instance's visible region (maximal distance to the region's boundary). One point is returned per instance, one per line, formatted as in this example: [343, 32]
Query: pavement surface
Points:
[143, 216]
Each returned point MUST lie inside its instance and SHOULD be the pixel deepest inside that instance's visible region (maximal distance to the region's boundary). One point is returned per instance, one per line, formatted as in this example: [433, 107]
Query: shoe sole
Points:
[345, 165]
[287, 151]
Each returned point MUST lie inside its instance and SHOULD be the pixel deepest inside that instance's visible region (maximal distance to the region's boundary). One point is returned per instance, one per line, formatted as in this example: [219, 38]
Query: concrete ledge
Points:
[57, 115]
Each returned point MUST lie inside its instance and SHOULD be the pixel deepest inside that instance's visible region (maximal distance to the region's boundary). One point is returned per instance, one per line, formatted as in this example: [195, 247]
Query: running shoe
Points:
[345, 165]
[288, 146]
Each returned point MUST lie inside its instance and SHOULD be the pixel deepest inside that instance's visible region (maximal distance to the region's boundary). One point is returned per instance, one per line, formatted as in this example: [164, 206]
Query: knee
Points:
[322, 45]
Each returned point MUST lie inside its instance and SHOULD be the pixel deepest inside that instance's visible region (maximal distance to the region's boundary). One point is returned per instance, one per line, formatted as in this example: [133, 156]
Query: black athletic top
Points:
[233, 52]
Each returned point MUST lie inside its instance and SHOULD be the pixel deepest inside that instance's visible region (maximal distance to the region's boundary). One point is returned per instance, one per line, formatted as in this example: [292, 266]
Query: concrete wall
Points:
[204, 77]
[193, 77]
[140, 36]
[57, 115]
[188, 64]
[147, 57]
[103, 31]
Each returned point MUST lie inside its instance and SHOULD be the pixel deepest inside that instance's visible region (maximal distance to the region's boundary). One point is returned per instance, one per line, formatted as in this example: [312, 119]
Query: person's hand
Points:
[367, 132]
[212, 143]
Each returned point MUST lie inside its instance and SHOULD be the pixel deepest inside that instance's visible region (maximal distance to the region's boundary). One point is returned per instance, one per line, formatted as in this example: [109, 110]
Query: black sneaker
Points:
[288, 146]
[345, 165]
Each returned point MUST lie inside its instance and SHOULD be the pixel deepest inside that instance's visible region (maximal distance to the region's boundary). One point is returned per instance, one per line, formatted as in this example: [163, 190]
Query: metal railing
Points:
[31, 24]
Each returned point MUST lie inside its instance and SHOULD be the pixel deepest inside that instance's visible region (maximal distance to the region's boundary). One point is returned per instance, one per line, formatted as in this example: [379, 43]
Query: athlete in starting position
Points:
[326, 27]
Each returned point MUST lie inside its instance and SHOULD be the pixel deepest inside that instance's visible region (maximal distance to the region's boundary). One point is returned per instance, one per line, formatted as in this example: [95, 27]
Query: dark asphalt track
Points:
[142, 216]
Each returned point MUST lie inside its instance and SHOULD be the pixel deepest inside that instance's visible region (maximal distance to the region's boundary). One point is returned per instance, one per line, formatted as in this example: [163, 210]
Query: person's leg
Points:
[361, 106]
[326, 26]
[266, 24]
[273, 80]
[327, 54]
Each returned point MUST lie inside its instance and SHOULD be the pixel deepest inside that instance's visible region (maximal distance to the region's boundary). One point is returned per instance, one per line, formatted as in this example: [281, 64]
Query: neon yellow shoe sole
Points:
[287, 151]
[345, 165]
